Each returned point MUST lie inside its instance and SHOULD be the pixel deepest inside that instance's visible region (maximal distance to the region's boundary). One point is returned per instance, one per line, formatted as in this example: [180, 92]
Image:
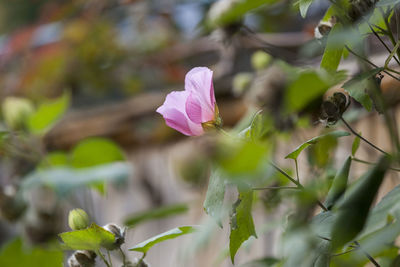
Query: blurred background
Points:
[79, 85]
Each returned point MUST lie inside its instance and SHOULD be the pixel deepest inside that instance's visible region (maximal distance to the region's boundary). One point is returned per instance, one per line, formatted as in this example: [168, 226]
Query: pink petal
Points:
[174, 112]
[178, 121]
[196, 112]
[199, 81]
[193, 109]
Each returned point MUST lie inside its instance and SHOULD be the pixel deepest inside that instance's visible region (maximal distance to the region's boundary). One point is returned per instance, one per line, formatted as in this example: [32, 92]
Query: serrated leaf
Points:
[91, 238]
[295, 153]
[355, 145]
[15, 254]
[333, 51]
[64, 179]
[358, 86]
[303, 6]
[339, 184]
[215, 196]
[47, 114]
[153, 214]
[241, 222]
[173, 233]
[354, 208]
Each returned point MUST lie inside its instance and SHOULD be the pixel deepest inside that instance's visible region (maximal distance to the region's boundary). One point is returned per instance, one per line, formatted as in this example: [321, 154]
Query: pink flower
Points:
[188, 111]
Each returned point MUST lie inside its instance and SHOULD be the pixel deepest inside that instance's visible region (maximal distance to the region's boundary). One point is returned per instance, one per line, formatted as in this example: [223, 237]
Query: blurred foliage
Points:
[62, 55]
[16, 254]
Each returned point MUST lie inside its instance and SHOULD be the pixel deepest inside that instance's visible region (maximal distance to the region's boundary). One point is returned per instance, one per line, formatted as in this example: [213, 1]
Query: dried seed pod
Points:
[118, 232]
[82, 258]
[324, 27]
[333, 108]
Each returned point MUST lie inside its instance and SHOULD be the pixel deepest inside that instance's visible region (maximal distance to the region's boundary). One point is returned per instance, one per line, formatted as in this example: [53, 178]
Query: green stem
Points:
[382, 42]
[343, 253]
[372, 163]
[362, 138]
[297, 170]
[103, 258]
[109, 258]
[123, 256]
[300, 186]
[372, 64]
[276, 187]
[371, 259]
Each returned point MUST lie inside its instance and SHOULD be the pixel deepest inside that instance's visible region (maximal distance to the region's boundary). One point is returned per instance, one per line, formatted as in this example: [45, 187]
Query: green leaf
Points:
[231, 159]
[222, 14]
[304, 5]
[91, 238]
[333, 51]
[260, 126]
[215, 196]
[295, 153]
[358, 87]
[47, 114]
[307, 86]
[63, 179]
[153, 214]
[173, 233]
[354, 208]
[241, 222]
[95, 151]
[388, 207]
[57, 158]
[382, 3]
[14, 254]
[355, 145]
[378, 241]
[339, 184]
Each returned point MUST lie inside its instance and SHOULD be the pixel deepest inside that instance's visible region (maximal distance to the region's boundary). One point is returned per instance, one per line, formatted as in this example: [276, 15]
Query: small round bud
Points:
[82, 258]
[241, 83]
[78, 219]
[16, 110]
[118, 232]
[260, 60]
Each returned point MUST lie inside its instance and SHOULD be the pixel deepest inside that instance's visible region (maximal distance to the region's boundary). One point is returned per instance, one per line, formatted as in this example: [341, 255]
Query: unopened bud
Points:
[118, 232]
[16, 110]
[78, 219]
[82, 258]
[260, 60]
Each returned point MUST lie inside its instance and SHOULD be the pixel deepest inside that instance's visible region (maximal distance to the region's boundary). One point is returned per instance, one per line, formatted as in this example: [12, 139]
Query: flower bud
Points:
[82, 258]
[78, 219]
[260, 60]
[118, 232]
[15, 111]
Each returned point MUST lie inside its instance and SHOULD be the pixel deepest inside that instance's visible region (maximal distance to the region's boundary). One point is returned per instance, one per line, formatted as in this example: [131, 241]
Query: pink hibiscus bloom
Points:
[194, 109]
